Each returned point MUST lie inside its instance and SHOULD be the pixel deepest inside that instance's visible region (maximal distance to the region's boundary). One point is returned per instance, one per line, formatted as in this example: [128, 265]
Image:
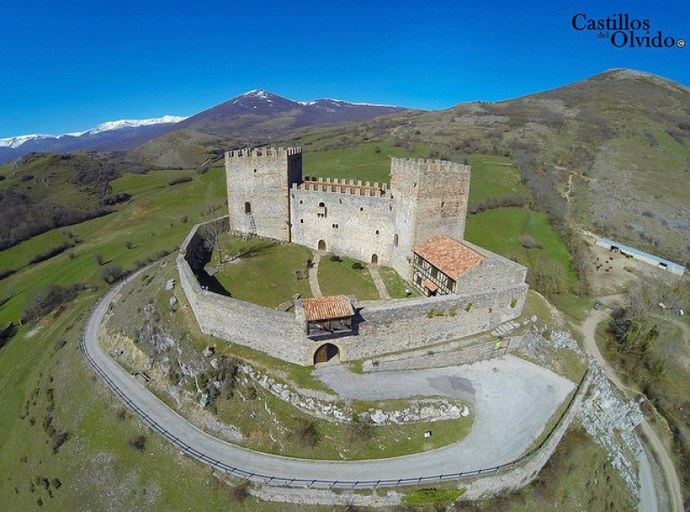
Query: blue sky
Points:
[65, 66]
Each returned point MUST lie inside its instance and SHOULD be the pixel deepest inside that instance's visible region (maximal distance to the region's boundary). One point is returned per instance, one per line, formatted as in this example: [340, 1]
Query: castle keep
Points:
[416, 225]
[372, 222]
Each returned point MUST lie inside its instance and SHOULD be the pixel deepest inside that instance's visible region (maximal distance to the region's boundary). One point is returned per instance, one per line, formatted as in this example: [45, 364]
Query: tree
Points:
[211, 232]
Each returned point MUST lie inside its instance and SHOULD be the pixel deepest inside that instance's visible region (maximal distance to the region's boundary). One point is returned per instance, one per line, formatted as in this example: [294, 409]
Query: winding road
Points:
[512, 400]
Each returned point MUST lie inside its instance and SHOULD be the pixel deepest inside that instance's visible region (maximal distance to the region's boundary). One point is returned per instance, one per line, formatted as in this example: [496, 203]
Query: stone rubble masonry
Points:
[489, 295]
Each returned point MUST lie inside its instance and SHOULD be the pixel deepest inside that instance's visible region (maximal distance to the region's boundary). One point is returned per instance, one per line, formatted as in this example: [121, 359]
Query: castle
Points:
[416, 225]
[372, 222]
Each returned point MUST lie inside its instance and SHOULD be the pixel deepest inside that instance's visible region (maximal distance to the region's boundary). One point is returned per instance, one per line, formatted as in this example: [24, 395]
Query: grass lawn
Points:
[396, 285]
[265, 273]
[336, 277]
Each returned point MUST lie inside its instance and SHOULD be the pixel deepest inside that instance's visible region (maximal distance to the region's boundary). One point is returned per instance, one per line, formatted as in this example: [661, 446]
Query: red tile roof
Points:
[325, 308]
[429, 285]
[450, 256]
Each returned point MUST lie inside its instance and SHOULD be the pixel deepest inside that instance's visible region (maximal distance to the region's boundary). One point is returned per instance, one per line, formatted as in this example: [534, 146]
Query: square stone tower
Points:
[259, 182]
[429, 198]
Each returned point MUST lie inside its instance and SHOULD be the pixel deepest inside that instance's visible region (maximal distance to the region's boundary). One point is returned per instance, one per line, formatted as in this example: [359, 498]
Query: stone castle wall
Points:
[429, 198]
[353, 224]
[383, 326]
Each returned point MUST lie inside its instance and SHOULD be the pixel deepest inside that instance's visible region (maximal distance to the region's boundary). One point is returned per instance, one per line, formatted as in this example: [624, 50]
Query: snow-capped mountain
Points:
[254, 115]
[108, 136]
[248, 112]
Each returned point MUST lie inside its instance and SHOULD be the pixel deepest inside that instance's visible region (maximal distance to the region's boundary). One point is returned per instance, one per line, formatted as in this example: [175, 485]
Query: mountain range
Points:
[255, 112]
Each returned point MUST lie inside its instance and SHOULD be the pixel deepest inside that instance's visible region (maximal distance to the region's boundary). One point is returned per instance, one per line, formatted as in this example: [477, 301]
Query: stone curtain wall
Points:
[276, 333]
[358, 219]
[262, 178]
[384, 326]
[390, 326]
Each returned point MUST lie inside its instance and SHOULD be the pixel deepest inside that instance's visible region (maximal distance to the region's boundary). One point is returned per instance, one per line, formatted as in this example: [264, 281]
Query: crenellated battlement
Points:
[427, 165]
[343, 186]
[263, 152]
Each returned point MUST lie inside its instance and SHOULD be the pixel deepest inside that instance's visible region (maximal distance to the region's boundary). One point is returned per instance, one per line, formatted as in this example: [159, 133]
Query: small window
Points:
[361, 208]
[442, 203]
[301, 202]
[254, 170]
[247, 207]
[377, 231]
[434, 272]
[301, 221]
[322, 205]
[395, 240]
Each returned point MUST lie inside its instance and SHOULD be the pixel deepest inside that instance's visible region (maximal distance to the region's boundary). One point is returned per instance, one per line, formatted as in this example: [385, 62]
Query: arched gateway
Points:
[325, 353]
[322, 245]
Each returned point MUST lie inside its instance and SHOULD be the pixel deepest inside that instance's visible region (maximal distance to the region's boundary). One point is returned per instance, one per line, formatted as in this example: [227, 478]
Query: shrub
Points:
[45, 301]
[184, 219]
[357, 265]
[497, 202]
[58, 440]
[49, 253]
[528, 242]
[548, 278]
[335, 257]
[138, 443]
[307, 434]
[111, 273]
[6, 333]
[99, 259]
[179, 179]
[113, 199]
[239, 492]
[129, 244]
[360, 431]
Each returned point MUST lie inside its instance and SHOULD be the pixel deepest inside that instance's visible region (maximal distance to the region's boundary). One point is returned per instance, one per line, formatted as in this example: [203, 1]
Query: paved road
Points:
[500, 433]
[648, 500]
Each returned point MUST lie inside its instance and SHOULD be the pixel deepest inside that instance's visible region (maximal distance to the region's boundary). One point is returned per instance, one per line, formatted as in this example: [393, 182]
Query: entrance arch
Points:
[321, 245]
[374, 258]
[326, 352]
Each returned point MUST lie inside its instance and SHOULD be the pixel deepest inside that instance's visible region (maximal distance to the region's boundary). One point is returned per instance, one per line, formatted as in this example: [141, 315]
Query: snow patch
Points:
[19, 140]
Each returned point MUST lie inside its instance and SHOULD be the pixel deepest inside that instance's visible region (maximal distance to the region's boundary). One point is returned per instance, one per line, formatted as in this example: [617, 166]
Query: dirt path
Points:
[652, 440]
[314, 276]
[378, 281]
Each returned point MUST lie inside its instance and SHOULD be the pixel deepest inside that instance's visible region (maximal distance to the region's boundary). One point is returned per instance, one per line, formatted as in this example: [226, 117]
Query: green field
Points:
[266, 272]
[370, 161]
[494, 176]
[336, 277]
[500, 230]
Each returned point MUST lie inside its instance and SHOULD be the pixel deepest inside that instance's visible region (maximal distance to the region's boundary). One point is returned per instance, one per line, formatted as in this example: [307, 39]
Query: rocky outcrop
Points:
[428, 410]
[611, 421]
